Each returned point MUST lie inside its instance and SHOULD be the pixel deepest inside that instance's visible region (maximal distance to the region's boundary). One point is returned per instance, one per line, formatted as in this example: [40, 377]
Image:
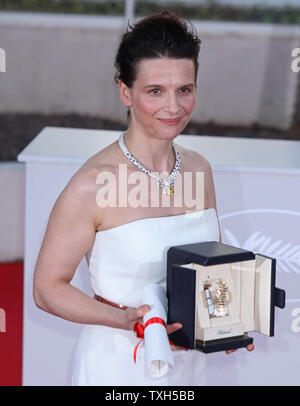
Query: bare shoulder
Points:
[196, 162]
[102, 161]
[194, 159]
[81, 190]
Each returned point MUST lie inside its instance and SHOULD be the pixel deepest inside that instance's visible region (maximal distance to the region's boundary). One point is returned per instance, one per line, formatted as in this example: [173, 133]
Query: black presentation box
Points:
[219, 292]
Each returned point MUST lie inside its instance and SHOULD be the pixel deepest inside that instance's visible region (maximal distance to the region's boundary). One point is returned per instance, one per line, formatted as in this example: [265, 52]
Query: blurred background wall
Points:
[67, 67]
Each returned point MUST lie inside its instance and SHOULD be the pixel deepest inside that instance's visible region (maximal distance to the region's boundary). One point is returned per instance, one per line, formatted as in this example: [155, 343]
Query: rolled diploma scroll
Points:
[158, 352]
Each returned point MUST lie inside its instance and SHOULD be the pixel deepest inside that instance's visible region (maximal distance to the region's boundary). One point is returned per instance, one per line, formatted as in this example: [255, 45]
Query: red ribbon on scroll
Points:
[139, 331]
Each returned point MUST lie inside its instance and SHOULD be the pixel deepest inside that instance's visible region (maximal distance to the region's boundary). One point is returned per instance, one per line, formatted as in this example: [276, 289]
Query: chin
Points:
[168, 134]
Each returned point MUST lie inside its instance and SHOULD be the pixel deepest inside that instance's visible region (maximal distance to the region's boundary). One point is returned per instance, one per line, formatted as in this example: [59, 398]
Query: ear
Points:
[125, 94]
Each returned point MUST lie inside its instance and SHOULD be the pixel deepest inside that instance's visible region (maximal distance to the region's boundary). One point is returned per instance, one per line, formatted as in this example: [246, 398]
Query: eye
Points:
[155, 91]
[185, 90]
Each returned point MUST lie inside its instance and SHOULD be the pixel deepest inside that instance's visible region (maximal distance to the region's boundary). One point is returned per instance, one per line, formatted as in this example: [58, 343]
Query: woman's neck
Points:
[153, 153]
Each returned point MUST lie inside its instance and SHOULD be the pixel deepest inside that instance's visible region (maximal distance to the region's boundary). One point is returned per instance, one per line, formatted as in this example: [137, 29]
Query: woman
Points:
[125, 242]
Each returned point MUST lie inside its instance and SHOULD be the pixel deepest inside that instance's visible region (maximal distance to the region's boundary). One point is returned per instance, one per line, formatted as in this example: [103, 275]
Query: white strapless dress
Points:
[122, 261]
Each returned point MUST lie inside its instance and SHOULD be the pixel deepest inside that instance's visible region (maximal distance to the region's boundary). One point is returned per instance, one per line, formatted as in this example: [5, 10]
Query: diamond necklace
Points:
[167, 183]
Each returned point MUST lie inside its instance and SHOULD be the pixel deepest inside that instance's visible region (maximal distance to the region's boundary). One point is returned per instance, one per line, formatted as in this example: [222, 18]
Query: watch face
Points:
[217, 296]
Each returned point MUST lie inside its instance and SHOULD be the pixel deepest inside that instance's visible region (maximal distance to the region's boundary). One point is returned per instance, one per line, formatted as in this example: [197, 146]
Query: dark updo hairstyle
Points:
[160, 35]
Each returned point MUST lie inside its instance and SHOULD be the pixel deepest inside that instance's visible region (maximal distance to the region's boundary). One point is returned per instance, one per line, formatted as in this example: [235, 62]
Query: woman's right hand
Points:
[135, 315]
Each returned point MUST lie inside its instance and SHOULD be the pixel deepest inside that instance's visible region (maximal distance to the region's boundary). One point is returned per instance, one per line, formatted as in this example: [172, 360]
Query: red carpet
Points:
[11, 323]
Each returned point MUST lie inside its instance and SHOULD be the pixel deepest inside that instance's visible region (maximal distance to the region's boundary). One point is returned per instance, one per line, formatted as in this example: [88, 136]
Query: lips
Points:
[170, 121]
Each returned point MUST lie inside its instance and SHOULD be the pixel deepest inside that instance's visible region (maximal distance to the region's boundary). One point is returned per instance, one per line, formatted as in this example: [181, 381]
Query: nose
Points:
[172, 104]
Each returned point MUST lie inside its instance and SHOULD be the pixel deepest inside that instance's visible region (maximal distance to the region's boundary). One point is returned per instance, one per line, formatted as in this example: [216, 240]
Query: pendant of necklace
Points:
[167, 183]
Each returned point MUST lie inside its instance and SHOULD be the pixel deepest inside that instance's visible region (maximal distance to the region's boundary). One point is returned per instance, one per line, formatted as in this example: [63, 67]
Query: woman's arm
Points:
[69, 234]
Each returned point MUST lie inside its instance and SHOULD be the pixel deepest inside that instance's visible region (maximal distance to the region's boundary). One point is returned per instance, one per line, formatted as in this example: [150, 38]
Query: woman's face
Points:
[162, 97]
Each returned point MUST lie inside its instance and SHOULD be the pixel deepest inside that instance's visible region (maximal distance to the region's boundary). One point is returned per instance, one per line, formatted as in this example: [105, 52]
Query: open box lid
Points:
[181, 286]
[208, 253]
[264, 303]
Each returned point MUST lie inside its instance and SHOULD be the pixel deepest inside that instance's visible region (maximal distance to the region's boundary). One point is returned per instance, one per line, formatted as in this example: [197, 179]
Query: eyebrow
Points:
[187, 85]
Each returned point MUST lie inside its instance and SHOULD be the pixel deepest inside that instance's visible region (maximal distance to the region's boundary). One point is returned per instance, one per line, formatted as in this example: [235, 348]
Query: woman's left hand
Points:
[249, 347]
[171, 328]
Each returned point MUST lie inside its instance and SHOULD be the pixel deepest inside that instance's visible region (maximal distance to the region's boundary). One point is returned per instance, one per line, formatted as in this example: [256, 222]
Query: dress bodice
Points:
[125, 258]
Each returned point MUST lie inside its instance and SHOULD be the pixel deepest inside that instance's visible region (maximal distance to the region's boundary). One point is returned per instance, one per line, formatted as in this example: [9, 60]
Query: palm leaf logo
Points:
[287, 255]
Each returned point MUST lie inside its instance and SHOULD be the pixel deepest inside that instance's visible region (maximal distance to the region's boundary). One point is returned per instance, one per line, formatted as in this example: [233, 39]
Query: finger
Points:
[230, 351]
[139, 320]
[142, 310]
[178, 348]
[250, 347]
[171, 328]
